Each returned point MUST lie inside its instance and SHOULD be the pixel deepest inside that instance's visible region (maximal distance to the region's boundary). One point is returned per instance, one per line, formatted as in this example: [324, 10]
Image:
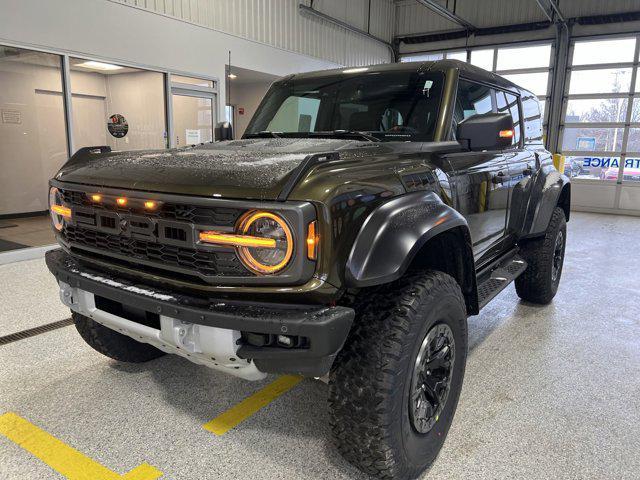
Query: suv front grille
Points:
[198, 215]
[206, 263]
[162, 239]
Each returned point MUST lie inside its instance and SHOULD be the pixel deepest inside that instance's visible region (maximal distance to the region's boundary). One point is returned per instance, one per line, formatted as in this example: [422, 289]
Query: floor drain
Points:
[32, 332]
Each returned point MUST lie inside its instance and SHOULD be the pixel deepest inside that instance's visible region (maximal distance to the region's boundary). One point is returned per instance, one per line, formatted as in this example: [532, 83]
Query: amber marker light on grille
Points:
[312, 241]
[62, 211]
[150, 205]
[96, 198]
[506, 134]
[237, 240]
[121, 201]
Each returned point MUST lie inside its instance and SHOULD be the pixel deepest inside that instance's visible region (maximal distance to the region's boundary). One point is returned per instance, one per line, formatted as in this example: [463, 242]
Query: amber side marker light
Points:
[506, 134]
[312, 241]
[121, 201]
[150, 204]
[237, 240]
[62, 211]
[96, 198]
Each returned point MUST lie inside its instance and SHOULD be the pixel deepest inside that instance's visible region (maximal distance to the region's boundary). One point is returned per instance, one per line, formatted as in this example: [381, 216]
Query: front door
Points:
[480, 182]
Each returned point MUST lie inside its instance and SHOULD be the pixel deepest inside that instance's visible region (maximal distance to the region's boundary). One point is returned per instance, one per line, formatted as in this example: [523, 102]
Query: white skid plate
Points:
[211, 346]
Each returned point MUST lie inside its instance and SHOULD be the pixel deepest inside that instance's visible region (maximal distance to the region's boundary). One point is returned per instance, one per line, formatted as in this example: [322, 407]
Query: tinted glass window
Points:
[532, 118]
[508, 103]
[389, 106]
[472, 99]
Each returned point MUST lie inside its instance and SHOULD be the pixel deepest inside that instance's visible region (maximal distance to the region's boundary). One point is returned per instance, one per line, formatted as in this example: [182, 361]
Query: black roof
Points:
[466, 70]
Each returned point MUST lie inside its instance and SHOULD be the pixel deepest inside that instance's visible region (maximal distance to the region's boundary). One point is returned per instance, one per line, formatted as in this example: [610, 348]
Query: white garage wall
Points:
[280, 24]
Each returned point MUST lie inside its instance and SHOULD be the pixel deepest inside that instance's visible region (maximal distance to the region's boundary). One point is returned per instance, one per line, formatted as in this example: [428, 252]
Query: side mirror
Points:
[489, 131]
[223, 131]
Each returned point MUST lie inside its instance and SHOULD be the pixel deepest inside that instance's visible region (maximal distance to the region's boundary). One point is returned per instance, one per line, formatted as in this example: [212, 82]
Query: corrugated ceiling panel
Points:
[412, 18]
[279, 23]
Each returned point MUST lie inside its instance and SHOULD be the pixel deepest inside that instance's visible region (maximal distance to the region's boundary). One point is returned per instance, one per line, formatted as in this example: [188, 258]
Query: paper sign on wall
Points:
[192, 136]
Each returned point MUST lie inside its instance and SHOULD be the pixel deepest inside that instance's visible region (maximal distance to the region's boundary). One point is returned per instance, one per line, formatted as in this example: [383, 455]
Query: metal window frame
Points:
[631, 95]
[195, 91]
[65, 63]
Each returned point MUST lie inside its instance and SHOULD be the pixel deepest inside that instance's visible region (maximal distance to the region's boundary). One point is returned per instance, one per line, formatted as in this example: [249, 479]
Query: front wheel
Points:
[545, 258]
[395, 386]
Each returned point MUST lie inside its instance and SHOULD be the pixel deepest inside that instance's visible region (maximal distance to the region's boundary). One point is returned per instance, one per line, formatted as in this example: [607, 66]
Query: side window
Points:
[296, 114]
[472, 99]
[508, 103]
[532, 118]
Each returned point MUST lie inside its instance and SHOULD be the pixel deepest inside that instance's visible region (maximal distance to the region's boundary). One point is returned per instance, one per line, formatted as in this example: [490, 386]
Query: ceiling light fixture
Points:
[98, 65]
[232, 76]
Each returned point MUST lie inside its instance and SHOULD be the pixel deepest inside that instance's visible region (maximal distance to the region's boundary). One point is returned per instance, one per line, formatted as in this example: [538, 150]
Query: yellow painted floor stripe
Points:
[64, 459]
[250, 405]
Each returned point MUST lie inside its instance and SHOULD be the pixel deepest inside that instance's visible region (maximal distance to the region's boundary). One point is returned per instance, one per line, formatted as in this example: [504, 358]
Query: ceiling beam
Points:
[449, 15]
[551, 10]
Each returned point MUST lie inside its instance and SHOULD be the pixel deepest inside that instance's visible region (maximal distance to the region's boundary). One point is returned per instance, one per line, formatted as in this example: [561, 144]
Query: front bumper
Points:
[195, 327]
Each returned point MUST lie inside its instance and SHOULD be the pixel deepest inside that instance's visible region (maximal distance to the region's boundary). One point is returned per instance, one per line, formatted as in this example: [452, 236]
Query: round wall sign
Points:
[117, 125]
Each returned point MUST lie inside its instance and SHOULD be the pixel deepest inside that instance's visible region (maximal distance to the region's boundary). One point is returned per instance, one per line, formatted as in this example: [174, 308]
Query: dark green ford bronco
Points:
[364, 215]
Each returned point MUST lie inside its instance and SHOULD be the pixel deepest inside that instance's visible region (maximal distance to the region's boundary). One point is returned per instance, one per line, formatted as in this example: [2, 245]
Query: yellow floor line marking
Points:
[64, 459]
[250, 405]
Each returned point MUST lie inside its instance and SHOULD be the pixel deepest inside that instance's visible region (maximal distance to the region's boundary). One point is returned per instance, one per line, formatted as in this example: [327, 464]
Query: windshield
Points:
[396, 106]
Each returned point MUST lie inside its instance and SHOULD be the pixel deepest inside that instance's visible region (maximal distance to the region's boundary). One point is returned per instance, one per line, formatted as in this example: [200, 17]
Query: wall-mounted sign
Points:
[240, 110]
[117, 125]
[12, 116]
[192, 136]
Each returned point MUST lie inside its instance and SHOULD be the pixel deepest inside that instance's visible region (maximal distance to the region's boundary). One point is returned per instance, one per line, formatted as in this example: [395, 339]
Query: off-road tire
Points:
[536, 284]
[371, 378]
[113, 344]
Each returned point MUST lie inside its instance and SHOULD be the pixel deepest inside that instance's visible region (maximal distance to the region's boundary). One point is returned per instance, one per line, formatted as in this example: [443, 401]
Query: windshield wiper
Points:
[347, 133]
[262, 134]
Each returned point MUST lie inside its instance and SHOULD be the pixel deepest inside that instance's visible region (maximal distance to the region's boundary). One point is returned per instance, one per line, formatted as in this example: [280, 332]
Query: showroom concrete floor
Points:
[550, 392]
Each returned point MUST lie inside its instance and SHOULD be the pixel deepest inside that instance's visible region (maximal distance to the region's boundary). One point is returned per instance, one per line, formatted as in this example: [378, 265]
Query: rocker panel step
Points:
[498, 276]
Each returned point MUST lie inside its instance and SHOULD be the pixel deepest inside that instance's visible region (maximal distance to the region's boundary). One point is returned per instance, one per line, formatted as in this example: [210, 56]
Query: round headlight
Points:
[266, 259]
[55, 200]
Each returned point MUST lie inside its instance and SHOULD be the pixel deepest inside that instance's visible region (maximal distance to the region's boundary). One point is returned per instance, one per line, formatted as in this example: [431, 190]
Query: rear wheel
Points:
[113, 344]
[545, 258]
[395, 385]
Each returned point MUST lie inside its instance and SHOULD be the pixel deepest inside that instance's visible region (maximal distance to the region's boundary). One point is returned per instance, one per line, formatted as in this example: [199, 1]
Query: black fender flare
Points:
[393, 233]
[544, 198]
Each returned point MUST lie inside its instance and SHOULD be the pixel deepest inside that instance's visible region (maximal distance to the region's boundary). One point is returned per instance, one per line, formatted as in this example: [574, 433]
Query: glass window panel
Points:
[296, 114]
[534, 82]
[32, 141]
[482, 59]
[201, 82]
[633, 144]
[532, 119]
[592, 139]
[593, 167]
[192, 120]
[422, 57]
[543, 106]
[604, 51]
[121, 107]
[505, 102]
[472, 99]
[631, 172]
[635, 112]
[609, 110]
[608, 80]
[461, 55]
[524, 57]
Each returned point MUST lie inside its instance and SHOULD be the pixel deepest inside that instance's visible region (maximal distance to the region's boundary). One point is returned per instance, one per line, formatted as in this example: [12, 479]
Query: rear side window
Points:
[508, 103]
[532, 118]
